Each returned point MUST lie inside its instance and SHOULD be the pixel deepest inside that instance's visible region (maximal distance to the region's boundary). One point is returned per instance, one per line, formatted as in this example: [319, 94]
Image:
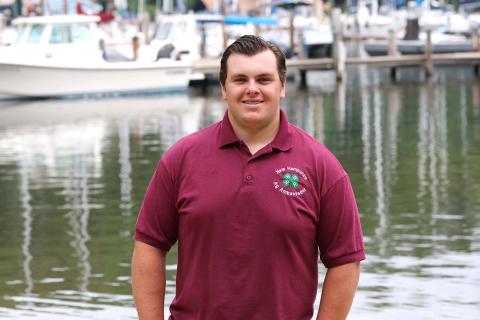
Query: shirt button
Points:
[249, 177]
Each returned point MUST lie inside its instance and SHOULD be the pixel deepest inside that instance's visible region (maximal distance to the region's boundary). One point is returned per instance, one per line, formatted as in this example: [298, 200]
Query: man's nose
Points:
[252, 87]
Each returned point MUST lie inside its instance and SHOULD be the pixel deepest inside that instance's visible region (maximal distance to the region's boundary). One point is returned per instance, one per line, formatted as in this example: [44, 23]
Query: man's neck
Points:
[257, 137]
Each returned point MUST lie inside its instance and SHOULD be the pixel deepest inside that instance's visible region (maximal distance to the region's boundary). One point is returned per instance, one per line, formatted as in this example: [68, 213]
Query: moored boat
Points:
[441, 43]
[63, 56]
[63, 80]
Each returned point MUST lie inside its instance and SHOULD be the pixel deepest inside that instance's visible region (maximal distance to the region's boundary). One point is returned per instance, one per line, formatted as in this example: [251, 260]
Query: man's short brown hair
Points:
[251, 45]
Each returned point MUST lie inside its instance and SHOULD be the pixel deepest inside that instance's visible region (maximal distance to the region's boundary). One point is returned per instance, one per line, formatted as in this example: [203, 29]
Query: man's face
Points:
[253, 90]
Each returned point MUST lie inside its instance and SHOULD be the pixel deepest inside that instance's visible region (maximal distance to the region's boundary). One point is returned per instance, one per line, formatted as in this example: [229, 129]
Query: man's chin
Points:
[254, 121]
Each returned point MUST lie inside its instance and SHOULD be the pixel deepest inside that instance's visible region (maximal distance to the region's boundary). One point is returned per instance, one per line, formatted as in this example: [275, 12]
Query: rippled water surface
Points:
[73, 174]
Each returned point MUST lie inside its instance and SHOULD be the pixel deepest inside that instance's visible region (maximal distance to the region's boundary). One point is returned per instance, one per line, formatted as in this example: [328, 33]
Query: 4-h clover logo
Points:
[290, 180]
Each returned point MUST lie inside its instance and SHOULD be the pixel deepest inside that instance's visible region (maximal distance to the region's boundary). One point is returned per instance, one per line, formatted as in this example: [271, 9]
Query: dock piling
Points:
[428, 55]
[302, 55]
[475, 44]
[392, 50]
[392, 42]
[475, 48]
[340, 53]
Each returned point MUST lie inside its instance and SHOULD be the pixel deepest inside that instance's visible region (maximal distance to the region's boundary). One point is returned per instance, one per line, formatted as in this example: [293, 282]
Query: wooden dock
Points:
[393, 60]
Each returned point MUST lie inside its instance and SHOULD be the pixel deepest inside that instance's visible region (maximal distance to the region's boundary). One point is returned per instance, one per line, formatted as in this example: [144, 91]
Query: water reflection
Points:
[365, 105]
[340, 103]
[80, 169]
[65, 155]
[394, 104]
[318, 116]
[125, 167]
[381, 206]
[78, 217]
[432, 148]
[27, 222]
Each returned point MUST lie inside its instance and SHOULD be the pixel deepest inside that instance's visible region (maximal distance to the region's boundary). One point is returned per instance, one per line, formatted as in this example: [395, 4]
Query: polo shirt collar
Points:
[282, 141]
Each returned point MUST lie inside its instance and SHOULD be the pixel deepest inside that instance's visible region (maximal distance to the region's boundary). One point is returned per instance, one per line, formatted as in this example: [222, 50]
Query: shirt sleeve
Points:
[339, 236]
[157, 223]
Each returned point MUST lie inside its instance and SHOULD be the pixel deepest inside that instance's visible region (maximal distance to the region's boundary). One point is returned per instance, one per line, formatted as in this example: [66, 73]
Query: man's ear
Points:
[224, 92]
[282, 91]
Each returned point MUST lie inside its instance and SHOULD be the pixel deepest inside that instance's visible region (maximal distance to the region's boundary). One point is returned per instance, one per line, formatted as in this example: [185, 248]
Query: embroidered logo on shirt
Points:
[291, 181]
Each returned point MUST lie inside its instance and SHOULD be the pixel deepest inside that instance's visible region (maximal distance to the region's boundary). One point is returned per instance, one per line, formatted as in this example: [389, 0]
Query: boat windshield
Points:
[35, 34]
[163, 31]
[70, 33]
[21, 32]
[81, 33]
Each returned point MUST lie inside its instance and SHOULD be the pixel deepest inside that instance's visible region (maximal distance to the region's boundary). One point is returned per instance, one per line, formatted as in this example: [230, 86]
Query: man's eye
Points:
[239, 80]
[264, 80]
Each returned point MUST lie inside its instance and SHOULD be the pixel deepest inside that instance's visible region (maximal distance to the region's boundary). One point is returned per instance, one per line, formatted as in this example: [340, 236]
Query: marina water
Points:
[73, 174]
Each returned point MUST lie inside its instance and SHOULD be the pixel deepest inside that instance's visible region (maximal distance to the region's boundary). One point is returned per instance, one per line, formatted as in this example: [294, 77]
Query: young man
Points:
[252, 200]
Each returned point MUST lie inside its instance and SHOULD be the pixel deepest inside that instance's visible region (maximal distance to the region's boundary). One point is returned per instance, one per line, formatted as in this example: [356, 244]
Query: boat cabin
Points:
[58, 38]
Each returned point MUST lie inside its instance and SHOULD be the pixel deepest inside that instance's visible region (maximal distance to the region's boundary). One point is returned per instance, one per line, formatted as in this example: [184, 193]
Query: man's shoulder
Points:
[200, 140]
[312, 149]
[204, 135]
[303, 139]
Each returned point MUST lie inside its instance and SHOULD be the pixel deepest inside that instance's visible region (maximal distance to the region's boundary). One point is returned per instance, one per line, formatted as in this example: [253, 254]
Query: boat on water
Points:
[203, 36]
[64, 56]
[441, 43]
[64, 80]
[450, 33]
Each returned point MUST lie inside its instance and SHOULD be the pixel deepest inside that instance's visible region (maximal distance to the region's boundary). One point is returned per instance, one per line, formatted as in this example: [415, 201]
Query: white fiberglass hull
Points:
[36, 81]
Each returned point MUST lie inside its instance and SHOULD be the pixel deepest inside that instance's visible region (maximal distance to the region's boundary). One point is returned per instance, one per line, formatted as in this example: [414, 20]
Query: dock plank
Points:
[212, 66]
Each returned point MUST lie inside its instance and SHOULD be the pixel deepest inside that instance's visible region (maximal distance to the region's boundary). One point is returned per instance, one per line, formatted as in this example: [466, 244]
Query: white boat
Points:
[55, 39]
[62, 56]
[62, 80]
[191, 36]
[444, 39]
[441, 43]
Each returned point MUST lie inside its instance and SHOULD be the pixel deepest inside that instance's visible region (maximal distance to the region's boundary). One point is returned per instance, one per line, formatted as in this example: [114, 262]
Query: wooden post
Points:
[475, 48]
[300, 46]
[301, 55]
[224, 30]
[475, 44]
[428, 55]
[392, 50]
[291, 29]
[303, 78]
[340, 54]
[393, 73]
[392, 42]
[203, 37]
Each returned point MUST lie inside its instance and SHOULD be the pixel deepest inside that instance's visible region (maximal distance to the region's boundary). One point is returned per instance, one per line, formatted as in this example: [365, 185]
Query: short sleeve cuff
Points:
[355, 256]
[139, 236]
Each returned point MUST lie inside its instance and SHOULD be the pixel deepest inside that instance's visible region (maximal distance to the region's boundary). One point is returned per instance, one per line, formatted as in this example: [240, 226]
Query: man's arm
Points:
[338, 291]
[148, 281]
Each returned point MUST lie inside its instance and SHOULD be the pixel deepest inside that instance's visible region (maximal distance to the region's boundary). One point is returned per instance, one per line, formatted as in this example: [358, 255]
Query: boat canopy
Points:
[56, 19]
[247, 19]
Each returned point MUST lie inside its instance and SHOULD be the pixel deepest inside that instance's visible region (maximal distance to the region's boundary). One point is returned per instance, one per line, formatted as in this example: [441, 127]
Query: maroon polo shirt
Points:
[250, 227]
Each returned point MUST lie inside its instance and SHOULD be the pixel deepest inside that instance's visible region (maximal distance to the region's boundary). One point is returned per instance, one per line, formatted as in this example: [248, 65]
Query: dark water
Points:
[73, 174]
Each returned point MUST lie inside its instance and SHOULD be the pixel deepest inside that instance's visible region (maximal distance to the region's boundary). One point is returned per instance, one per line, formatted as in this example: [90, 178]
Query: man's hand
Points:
[148, 281]
[338, 291]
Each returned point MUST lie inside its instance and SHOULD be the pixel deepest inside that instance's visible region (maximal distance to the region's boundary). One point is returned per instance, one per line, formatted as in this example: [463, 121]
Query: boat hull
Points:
[41, 81]
[380, 48]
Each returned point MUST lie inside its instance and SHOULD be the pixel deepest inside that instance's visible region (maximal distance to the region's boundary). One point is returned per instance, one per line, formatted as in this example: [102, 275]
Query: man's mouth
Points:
[252, 102]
